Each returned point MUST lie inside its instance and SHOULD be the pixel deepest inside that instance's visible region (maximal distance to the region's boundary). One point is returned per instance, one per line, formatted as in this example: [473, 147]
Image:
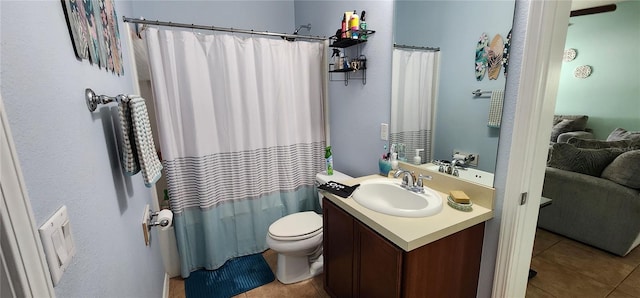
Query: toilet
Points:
[297, 238]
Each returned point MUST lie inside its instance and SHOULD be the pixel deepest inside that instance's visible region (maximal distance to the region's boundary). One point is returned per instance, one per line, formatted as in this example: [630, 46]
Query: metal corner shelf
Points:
[346, 43]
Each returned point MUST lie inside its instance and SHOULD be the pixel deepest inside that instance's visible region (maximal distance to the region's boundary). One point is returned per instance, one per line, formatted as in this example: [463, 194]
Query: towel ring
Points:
[94, 100]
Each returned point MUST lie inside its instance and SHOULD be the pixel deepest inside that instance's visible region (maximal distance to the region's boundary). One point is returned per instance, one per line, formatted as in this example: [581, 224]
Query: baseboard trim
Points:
[165, 288]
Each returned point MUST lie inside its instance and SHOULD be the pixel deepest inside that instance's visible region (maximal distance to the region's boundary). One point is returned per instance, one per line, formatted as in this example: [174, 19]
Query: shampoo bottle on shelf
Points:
[354, 25]
[328, 156]
[344, 28]
[363, 27]
[347, 19]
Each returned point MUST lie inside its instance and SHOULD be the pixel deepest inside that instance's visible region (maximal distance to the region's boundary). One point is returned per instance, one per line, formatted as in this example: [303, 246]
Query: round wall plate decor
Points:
[582, 71]
[569, 55]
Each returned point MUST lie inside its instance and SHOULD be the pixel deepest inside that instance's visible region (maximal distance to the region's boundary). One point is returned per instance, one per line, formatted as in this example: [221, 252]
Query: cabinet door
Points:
[379, 265]
[338, 251]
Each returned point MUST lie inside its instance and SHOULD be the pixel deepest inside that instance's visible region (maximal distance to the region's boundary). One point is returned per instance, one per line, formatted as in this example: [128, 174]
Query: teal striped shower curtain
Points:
[241, 129]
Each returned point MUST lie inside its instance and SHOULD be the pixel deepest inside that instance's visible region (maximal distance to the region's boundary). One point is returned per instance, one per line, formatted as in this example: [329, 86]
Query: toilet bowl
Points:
[297, 238]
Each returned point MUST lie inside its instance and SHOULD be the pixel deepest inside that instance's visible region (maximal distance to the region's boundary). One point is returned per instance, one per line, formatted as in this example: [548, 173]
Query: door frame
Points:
[22, 253]
[545, 26]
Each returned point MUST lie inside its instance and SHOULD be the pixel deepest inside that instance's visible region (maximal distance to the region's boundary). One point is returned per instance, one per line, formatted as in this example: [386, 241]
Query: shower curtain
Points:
[241, 129]
[413, 100]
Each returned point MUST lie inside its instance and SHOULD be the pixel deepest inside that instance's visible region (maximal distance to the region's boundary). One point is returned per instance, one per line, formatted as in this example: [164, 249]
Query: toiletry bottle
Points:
[329, 160]
[417, 159]
[354, 25]
[335, 59]
[363, 27]
[343, 35]
[347, 19]
[394, 161]
[165, 201]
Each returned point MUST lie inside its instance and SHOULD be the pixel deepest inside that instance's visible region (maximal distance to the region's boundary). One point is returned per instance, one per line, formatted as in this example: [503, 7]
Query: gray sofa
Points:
[569, 126]
[597, 203]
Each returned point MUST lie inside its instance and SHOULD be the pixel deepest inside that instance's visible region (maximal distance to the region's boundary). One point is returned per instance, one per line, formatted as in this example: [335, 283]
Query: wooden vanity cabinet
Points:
[358, 262]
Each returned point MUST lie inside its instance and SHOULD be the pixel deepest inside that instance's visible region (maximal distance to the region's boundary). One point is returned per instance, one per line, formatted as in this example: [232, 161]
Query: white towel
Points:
[495, 111]
[136, 130]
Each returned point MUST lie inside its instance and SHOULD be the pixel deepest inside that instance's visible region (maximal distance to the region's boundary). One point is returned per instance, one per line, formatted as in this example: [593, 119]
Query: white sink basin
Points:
[387, 196]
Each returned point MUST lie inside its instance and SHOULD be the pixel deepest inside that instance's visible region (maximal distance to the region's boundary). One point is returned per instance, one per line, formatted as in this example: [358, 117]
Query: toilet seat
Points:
[296, 226]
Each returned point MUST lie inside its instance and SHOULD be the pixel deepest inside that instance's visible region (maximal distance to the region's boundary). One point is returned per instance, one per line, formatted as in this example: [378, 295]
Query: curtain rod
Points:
[213, 28]
[401, 46]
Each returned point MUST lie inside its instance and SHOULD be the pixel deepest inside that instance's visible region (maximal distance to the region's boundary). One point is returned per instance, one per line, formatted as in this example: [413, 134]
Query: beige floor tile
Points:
[535, 292]
[631, 285]
[277, 289]
[272, 259]
[176, 288]
[588, 261]
[619, 294]
[633, 257]
[318, 283]
[544, 240]
[560, 281]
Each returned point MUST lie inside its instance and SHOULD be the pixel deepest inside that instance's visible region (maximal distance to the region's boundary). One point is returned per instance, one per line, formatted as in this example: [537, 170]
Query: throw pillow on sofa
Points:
[599, 144]
[578, 123]
[623, 134]
[586, 161]
[625, 169]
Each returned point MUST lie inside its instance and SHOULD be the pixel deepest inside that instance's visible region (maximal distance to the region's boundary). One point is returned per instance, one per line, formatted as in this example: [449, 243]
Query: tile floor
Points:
[566, 268]
[311, 288]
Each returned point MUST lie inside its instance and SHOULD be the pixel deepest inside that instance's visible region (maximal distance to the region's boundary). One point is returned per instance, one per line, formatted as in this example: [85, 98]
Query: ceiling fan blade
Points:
[593, 10]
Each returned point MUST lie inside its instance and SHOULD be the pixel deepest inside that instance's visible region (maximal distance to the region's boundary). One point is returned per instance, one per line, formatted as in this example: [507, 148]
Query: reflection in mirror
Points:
[460, 120]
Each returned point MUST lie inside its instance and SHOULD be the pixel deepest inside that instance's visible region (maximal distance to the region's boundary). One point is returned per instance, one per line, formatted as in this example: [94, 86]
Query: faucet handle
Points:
[420, 180]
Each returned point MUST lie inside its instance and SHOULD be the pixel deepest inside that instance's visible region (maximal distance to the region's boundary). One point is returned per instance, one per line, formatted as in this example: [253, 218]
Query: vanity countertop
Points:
[411, 233]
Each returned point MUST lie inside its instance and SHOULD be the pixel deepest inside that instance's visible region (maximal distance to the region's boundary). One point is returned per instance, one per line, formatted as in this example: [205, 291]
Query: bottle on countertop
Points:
[329, 160]
[363, 27]
[417, 159]
[394, 161]
[354, 25]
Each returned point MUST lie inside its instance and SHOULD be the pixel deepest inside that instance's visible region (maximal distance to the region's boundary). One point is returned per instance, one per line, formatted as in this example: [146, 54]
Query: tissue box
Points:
[384, 166]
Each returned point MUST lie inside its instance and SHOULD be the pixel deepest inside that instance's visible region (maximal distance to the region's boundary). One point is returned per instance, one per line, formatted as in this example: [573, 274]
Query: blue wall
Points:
[455, 27]
[273, 16]
[610, 44]
[68, 155]
[357, 110]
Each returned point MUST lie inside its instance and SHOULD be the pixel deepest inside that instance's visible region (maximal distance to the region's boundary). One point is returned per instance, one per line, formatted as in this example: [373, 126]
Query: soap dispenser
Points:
[394, 161]
[417, 159]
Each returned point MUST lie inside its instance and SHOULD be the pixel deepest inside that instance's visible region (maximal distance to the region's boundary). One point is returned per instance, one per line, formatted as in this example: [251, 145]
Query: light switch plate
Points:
[145, 224]
[384, 131]
[58, 244]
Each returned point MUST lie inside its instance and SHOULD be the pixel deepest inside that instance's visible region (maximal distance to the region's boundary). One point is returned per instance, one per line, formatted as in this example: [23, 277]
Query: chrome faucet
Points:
[407, 179]
[410, 182]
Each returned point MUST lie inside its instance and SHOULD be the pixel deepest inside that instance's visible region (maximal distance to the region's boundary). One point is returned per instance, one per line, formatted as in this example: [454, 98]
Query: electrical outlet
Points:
[472, 157]
[384, 131]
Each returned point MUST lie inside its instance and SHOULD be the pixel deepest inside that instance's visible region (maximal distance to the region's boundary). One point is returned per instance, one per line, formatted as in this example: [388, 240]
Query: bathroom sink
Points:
[387, 196]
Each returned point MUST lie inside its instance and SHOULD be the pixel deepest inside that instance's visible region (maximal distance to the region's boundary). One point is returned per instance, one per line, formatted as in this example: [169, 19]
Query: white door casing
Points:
[23, 259]
[546, 30]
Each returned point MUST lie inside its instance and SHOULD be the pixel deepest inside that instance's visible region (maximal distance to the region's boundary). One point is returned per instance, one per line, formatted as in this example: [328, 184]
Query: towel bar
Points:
[94, 100]
[479, 92]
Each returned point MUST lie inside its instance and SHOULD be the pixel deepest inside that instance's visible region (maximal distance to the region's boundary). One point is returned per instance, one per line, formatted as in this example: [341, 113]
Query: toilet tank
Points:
[322, 178]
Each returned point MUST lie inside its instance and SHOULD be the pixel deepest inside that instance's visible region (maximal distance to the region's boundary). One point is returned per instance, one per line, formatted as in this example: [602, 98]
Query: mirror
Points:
[440, 39]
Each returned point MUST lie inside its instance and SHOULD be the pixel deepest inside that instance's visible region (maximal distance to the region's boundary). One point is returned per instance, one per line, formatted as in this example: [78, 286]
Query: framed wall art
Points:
[93, 28]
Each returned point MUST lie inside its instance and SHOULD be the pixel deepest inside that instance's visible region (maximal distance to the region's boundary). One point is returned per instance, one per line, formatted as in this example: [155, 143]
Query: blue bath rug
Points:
[236, 276]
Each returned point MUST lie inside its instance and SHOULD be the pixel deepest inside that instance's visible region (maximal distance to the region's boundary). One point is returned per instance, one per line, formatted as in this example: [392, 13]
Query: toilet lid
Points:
[297, 224]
